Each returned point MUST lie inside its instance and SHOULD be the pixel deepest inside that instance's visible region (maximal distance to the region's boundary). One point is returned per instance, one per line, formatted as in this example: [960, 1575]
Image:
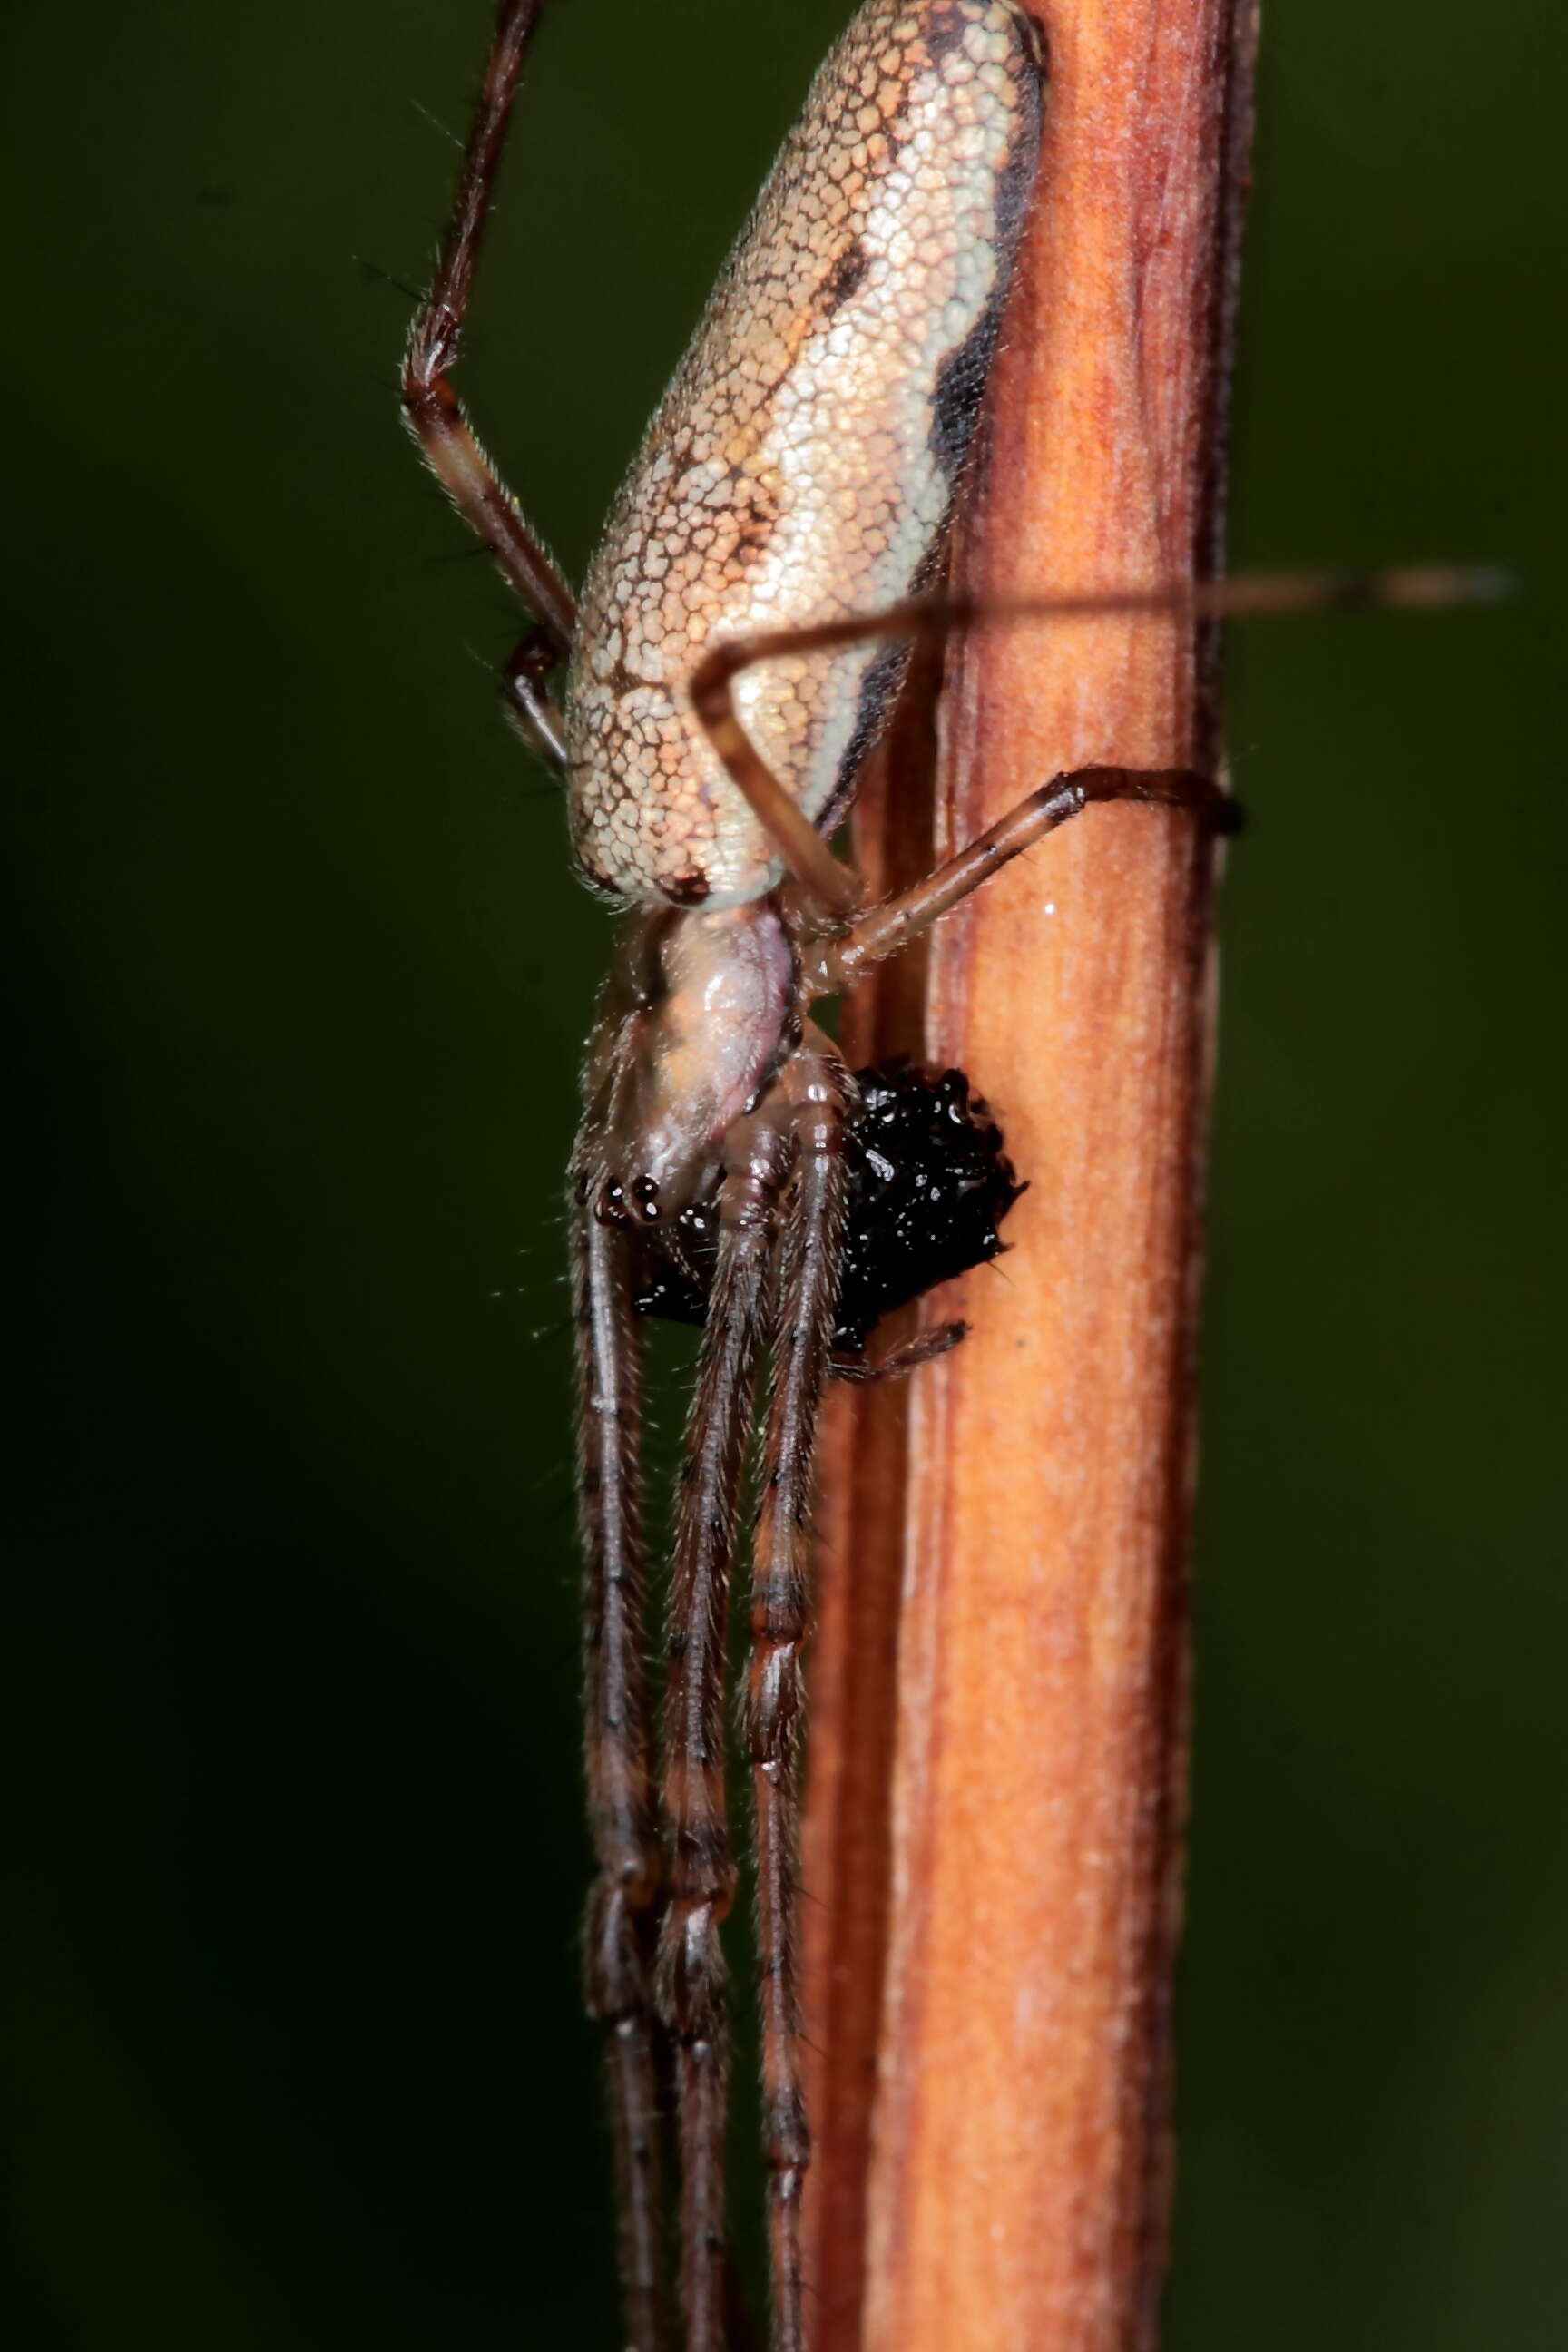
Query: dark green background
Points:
[302, 976]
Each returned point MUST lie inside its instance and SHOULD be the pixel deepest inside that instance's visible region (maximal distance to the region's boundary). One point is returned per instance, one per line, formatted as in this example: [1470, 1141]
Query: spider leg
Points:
[618, 1931]
[824, 882]
[434, 412]
[907, 1356]
[819, 1091]
[825, 886]
[701, 1874]
[883, 930]
[526, 698]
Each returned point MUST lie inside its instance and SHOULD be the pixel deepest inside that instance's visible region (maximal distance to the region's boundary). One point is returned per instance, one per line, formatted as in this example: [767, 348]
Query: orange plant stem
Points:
[997, 1772]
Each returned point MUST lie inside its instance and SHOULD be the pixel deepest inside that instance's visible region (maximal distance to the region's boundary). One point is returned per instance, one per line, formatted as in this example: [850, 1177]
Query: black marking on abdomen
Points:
[945, 32]
[885, 675]
[959, 392]
[845, 277]
[962, 378]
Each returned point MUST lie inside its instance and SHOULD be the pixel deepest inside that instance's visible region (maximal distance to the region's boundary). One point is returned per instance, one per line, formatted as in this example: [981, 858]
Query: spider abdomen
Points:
[803, 462]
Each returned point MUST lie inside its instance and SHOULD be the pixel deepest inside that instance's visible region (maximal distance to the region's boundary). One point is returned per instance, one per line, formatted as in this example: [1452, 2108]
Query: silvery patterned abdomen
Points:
[801, 466]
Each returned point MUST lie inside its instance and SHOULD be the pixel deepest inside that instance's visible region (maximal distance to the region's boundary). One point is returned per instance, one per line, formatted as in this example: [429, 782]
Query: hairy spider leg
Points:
[435, 416]
[700, 1872]
[621, 1810]
[884, 929]
[830, 887]
[526, 698]
[629, 1864]
[617, 1942]
[617, 1936]
[622, 1899]
[819, 1092]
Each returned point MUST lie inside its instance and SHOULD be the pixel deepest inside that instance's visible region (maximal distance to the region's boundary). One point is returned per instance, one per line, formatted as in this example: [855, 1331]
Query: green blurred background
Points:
[300, 979]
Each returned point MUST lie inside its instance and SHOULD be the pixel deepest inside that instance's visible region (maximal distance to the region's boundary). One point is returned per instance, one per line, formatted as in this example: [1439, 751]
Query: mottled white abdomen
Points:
[802, 463]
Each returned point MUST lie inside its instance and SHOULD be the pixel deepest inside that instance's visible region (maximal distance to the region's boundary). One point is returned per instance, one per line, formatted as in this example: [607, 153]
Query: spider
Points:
[740, 643]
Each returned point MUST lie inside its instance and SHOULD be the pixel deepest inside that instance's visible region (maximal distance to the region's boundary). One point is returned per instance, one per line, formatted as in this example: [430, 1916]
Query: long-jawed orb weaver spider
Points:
[740, 643]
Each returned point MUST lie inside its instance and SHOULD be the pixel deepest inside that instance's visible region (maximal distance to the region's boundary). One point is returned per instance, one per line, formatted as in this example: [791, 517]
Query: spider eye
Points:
[611, 1206]
[645, 1192]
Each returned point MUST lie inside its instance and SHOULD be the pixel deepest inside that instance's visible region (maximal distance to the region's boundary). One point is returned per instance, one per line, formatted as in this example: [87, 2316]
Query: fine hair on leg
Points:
[828, 886]
[618, 1937]
[700, 1872]
[820, 1093]
[434, 413]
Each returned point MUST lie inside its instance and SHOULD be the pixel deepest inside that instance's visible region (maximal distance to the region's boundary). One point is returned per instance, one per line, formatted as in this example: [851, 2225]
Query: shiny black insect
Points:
[929, 1185]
